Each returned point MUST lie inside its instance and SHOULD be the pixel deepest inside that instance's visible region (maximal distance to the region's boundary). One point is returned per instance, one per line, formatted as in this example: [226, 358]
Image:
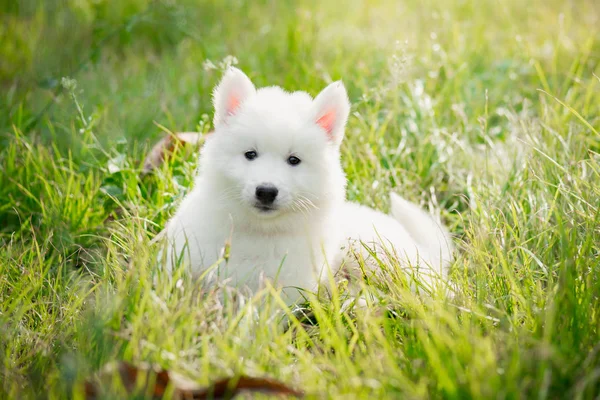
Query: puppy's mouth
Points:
[264, 209]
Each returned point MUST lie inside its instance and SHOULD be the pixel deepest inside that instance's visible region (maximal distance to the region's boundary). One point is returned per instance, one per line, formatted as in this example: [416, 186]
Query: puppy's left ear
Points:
[232, 91]
[331, 108]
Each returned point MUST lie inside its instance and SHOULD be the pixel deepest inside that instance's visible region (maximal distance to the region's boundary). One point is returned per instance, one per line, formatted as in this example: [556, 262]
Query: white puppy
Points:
[270, 189]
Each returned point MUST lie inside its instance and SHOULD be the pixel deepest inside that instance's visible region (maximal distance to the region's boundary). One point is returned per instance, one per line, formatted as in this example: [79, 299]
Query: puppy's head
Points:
[275, 153]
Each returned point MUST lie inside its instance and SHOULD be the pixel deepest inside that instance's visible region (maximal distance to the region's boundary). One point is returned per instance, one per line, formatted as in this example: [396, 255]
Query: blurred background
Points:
[138, 61]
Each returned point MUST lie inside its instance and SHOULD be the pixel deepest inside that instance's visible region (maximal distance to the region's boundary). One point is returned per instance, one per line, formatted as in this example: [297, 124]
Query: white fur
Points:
[313, 224]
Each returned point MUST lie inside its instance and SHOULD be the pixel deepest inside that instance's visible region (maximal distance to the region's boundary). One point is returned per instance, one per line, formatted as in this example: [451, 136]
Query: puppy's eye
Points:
[293, 160]
[250, 155]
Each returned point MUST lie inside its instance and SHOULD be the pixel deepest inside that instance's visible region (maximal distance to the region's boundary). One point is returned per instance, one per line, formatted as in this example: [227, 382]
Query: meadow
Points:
[485, 112]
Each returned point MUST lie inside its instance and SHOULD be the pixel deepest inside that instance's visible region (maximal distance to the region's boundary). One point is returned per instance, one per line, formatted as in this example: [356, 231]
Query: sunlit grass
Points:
[485, 112]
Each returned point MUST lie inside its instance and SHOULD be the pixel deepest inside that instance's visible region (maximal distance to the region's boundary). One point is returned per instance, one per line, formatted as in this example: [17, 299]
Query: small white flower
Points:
[228, 61]
[208, 65]
[68, 83]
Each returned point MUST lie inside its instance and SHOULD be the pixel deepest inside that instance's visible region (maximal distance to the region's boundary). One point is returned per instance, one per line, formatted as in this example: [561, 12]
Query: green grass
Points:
[487, 111]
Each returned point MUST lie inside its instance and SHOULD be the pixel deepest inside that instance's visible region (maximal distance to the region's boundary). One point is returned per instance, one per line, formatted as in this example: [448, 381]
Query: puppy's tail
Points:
[423, 228]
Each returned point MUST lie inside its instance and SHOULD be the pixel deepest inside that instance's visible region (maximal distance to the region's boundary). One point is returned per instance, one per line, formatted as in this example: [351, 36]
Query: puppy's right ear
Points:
[230, 93]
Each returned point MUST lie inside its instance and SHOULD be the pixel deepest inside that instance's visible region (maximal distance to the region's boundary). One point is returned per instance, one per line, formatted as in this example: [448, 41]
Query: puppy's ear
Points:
[230, 93]
[331, 108]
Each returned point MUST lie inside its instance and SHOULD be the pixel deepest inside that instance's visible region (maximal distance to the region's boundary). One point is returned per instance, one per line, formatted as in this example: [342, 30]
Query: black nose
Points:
[266, 194]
